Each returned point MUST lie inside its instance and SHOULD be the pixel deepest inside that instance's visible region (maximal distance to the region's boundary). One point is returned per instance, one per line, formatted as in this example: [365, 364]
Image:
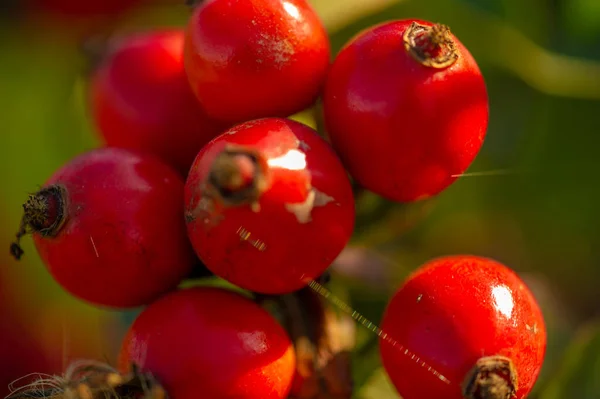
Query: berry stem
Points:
[44, 213]
[322, 345]
[431, 46]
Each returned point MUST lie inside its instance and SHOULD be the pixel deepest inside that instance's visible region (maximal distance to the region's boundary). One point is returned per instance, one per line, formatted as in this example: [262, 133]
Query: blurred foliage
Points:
[578, 374]
[538, 214]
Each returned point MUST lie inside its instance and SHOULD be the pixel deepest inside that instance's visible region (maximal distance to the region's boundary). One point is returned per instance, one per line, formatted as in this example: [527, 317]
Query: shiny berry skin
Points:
[211, 343]
[268, 205]
[458, 311]
[406, 108]
[108, 227]
[141, 99]
[249, 59]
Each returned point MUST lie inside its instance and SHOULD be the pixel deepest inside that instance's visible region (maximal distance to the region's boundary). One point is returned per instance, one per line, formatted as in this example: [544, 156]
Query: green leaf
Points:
[578, 376]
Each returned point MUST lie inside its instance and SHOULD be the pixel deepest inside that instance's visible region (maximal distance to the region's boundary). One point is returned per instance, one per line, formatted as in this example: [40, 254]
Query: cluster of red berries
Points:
[203, 165]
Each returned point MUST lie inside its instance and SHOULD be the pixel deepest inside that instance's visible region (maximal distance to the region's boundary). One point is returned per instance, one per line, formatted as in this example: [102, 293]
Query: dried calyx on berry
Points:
[93, 380]
[44, 213]
[493, 377]
[432, 46]
[237, 176]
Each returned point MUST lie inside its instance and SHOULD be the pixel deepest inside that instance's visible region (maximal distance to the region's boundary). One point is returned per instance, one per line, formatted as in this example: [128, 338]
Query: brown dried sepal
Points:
[44, 213]
[492, 377]
[432, 46]
[93, 380]
[237, 176]
[226, 182]
[323, 342]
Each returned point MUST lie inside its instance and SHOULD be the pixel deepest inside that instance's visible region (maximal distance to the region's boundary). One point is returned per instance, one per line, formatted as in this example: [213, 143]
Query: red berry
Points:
[268, 205]
[406, 107]
[211, 343]
[256, 58]
[108, 227]
[141, 99]
[474, 321]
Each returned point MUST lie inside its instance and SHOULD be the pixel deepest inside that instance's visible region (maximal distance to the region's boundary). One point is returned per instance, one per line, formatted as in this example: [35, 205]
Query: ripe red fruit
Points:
[473, 320]
[109, 228]
[268, 205]
[211, 343]
[141, 99]
[406, 108]
[256, 58]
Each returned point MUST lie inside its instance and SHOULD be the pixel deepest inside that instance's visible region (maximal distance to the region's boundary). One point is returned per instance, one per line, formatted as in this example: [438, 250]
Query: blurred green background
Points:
[530, 201]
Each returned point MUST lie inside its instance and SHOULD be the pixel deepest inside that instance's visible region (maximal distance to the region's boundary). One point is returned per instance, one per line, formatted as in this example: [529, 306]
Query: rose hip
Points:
[406, 108]
[268, 205]
[211, 343]
[255, 58]
[471, 319]
[109, 228]
[141, 99]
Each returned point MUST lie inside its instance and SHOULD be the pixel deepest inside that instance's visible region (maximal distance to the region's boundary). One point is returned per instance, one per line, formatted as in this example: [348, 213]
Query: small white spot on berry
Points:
[303, 211]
